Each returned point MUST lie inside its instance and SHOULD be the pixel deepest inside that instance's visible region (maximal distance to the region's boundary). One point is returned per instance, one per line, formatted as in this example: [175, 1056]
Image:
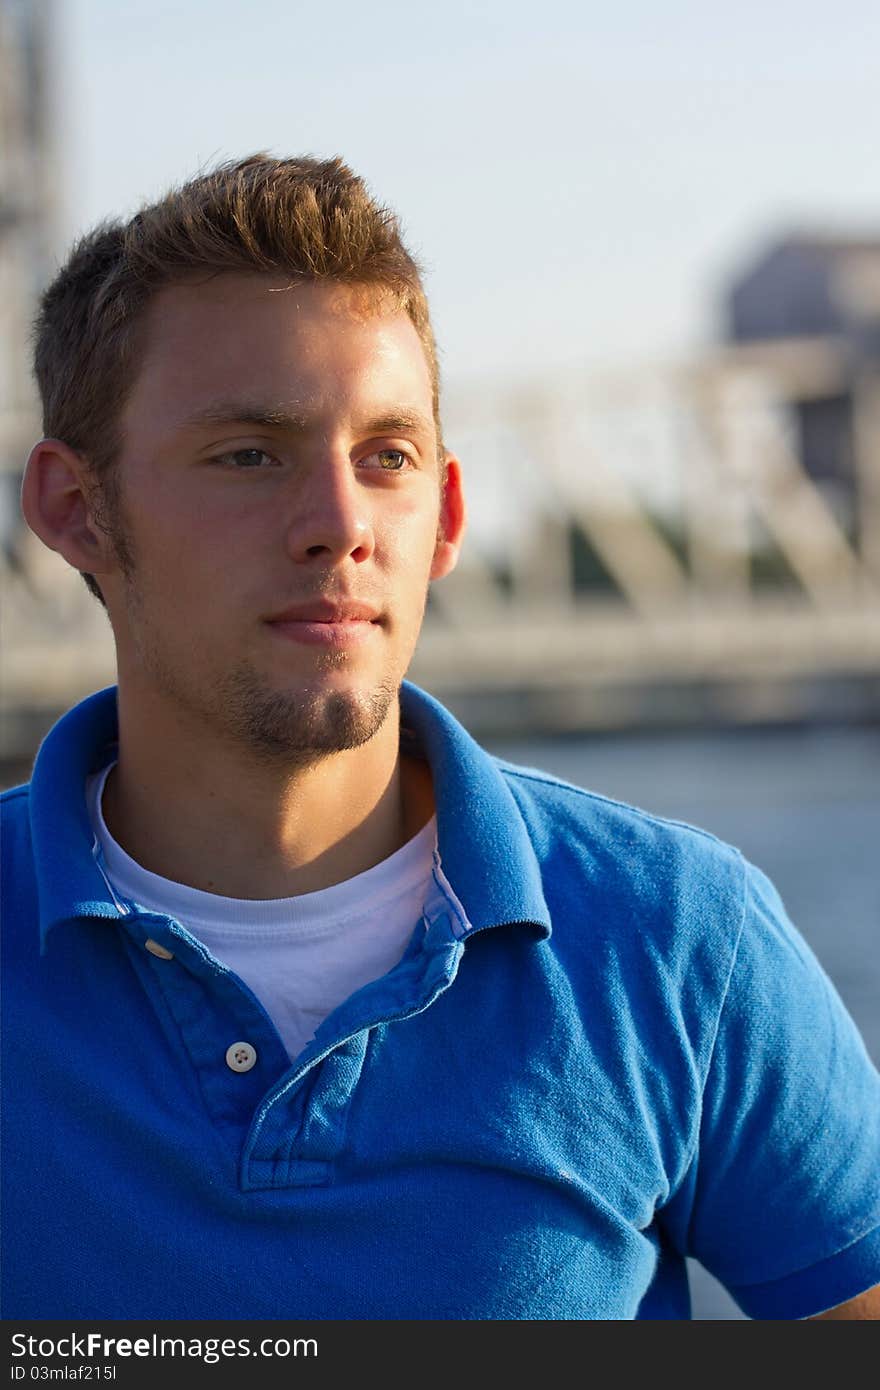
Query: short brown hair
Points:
[311, 219]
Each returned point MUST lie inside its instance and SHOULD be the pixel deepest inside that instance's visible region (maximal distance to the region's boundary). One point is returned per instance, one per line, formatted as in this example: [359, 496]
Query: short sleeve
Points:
[785, 1186]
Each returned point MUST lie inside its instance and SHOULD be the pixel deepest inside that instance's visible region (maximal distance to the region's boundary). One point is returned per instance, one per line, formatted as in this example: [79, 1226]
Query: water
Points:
[802, 804]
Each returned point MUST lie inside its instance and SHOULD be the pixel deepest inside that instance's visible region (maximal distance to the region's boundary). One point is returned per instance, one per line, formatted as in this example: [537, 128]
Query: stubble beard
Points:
[290, 727]
[303, 726]
[293, 728]
[278, 727]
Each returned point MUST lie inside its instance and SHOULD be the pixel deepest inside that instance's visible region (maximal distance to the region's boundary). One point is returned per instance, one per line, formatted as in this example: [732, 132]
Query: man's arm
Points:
[864, 1308]
[789, 1135]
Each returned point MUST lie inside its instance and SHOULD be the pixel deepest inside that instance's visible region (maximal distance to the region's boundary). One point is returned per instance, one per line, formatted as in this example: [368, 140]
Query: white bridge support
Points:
[681, 613]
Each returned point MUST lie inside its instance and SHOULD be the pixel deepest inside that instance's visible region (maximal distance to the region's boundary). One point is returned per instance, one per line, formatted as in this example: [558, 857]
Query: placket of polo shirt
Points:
[297, 1114]
[211, 1009]
[299, 1129]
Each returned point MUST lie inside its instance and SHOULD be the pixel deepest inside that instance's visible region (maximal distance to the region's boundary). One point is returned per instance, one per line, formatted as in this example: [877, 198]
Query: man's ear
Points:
[453, 519]
[57, 506]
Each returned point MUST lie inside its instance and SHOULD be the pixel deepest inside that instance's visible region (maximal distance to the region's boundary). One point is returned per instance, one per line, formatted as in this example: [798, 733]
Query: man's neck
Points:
[216, 819]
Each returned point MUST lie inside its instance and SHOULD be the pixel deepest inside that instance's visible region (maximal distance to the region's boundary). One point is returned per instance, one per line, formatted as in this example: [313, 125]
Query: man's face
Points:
[279, 508]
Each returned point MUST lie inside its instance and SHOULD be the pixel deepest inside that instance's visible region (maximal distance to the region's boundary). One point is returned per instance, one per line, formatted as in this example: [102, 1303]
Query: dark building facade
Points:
[808, 288]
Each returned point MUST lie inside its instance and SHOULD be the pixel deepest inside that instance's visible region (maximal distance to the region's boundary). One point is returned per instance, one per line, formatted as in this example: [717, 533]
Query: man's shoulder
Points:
[14, 807]
[17, 881]
[649, 881]
[15, 823]
[561, 811]
[52, 803]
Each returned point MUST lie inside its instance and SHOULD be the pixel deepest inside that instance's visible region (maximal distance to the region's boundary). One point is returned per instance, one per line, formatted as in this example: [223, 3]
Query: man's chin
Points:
[305, 724]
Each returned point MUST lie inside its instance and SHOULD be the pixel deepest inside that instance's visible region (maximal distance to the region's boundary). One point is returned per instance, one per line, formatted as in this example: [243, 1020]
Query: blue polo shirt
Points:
[606, 1048]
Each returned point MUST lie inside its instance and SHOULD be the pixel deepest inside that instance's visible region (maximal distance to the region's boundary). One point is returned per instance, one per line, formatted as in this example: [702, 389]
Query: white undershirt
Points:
[300, 956]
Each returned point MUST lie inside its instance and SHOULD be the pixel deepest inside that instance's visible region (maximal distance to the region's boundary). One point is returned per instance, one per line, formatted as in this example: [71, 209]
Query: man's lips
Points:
[326, 624]
[321, 611]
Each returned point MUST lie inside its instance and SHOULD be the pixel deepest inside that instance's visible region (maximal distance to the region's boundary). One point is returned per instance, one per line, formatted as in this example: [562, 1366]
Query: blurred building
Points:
[28, 218]
[814, 291]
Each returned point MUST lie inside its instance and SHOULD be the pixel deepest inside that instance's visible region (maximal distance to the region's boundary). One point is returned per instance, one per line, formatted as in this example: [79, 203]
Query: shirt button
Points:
[156, 950]
[240, 1056]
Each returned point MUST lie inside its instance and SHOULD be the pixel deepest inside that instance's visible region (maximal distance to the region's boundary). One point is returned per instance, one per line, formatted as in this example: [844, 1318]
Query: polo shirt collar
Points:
[484, 846]
[484, 843]
[70, 883]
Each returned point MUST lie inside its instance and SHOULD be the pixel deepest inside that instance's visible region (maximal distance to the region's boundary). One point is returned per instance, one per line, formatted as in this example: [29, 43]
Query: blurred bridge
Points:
[669, 557]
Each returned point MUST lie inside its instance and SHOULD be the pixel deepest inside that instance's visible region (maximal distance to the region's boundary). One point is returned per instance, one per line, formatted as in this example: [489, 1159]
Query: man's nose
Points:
[332, 519]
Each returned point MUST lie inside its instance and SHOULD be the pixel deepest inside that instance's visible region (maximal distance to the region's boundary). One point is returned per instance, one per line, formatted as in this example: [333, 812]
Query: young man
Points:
[313, 1008]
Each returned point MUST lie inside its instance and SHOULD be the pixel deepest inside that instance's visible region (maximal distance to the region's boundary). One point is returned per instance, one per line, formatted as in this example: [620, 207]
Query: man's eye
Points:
[246, 458]
[390, 460]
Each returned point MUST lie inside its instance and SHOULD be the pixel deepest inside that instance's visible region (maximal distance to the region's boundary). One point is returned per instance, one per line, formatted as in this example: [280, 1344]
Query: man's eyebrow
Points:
[398, 420]
[246, 413]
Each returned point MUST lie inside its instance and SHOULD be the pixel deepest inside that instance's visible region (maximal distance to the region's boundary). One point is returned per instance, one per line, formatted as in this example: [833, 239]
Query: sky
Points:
[580, 180]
